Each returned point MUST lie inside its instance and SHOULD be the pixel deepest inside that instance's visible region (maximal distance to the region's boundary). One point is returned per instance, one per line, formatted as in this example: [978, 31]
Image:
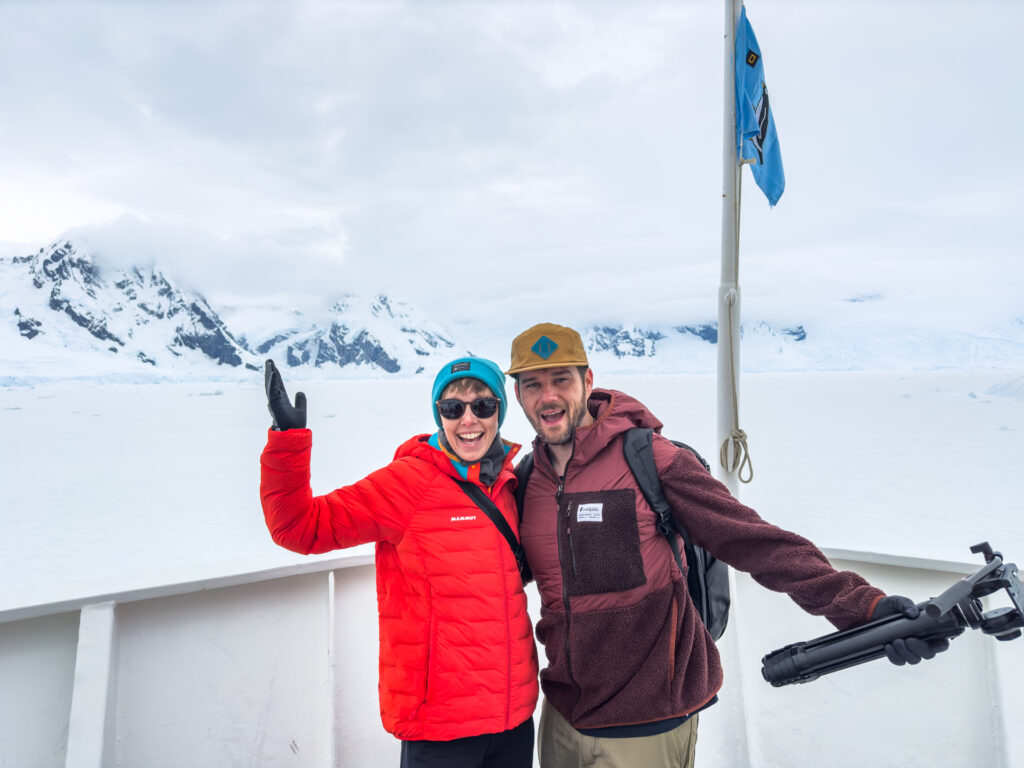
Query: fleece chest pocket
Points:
[599, 542]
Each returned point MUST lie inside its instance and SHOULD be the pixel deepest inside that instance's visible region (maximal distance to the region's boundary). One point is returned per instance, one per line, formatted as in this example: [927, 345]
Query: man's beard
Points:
[574, 413]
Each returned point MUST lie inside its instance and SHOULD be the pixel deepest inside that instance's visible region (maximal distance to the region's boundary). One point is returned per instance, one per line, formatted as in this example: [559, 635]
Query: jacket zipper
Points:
[565, 587]
[493, 494]
[568, 528]
[508, 637]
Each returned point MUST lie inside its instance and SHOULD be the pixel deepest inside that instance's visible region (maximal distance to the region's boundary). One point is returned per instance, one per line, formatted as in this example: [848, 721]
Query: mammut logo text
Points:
[461, 518]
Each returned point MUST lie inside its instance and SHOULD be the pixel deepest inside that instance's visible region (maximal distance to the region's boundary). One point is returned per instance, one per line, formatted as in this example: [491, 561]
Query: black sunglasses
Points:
[482, 407]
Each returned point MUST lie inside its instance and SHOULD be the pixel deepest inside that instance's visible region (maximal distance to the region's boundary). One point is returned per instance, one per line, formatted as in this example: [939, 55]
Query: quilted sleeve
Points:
[375, 508]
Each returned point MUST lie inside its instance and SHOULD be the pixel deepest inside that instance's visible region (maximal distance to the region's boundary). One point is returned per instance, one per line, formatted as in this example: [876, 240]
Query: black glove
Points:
[908, 650]
[286, 416]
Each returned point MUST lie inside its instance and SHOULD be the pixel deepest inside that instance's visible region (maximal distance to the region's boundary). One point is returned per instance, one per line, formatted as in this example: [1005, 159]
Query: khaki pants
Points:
[559, 745]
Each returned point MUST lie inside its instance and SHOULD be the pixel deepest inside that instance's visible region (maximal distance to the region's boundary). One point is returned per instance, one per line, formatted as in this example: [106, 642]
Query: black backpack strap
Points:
[489, 508]
[638, 448]
[523, 470]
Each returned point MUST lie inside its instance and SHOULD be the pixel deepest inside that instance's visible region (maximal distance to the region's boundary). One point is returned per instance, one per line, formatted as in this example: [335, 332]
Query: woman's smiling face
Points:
[469, 435]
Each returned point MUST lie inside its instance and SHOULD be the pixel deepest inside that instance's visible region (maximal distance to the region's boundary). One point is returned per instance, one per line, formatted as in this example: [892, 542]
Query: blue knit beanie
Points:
[473, 368]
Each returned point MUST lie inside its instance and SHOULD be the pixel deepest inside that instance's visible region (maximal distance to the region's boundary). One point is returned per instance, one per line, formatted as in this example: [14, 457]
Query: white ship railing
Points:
[278, 667]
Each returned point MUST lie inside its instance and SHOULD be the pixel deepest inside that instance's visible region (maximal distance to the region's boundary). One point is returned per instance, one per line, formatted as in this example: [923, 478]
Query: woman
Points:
[458, 666]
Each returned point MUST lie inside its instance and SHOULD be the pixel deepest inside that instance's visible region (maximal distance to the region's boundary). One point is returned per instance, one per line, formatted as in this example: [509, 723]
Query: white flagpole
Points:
[736, 747]
[729, 289]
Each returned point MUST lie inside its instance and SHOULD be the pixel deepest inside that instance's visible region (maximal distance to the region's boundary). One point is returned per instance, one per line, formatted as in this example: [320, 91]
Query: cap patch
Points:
[544, 347]
[461, 366]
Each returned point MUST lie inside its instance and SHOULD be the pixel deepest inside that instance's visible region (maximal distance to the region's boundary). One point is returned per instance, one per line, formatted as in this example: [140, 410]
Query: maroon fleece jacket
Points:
[623, 640]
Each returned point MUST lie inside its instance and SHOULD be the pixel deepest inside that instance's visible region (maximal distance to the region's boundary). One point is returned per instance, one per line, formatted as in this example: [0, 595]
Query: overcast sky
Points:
[520, 161]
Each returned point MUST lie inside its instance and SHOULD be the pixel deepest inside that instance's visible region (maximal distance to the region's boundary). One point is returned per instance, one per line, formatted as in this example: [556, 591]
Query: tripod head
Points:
[943, 617]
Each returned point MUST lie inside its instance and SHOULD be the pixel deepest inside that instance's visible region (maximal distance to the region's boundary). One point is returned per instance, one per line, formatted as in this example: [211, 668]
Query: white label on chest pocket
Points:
[589, 513]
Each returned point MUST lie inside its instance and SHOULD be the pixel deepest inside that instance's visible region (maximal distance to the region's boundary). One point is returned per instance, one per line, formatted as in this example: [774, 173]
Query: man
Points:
[630, 663]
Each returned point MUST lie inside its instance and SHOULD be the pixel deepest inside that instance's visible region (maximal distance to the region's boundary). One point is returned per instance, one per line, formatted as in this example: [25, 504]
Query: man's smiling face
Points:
[555, 401]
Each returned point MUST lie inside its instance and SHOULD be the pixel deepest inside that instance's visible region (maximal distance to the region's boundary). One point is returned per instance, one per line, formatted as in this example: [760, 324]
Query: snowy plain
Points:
[108, 487]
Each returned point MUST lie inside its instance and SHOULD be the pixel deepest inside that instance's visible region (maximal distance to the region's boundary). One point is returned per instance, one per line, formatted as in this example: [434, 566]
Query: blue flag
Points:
[756, 138]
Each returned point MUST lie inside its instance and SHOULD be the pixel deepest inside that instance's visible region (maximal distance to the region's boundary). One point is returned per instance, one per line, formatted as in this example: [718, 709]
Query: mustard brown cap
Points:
[546, 345]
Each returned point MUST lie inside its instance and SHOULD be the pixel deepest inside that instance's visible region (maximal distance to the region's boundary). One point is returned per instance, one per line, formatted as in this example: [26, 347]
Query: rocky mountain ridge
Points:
[67, 300]
[61, 301]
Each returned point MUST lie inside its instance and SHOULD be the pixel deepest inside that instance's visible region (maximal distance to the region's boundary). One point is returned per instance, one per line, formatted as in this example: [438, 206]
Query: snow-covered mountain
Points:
[643, 342]
[66, 315]
[63, 315]
[59, 298]
[368, 334]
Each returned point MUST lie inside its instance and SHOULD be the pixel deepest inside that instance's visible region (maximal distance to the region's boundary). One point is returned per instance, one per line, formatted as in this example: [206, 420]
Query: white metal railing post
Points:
[1003, 665]
[332, 687]
[91, 722]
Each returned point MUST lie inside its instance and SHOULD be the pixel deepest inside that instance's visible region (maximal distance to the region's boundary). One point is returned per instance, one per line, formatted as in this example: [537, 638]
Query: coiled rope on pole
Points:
[739, 441]
[738, 438]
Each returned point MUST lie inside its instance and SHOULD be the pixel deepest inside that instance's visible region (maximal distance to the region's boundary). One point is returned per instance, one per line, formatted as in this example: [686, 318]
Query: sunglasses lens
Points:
[451, 409]
[484, 407]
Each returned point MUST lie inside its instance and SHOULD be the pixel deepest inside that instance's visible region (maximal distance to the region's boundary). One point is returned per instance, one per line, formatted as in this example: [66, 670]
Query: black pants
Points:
[508, 749]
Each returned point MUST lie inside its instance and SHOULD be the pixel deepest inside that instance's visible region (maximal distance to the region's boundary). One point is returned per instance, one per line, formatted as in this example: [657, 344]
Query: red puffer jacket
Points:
[457, 656]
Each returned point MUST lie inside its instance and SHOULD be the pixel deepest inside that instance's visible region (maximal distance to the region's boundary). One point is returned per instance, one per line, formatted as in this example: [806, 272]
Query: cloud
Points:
[484, 159]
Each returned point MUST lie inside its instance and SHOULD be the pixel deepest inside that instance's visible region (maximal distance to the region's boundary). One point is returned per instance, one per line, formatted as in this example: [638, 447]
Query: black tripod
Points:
[945, 616]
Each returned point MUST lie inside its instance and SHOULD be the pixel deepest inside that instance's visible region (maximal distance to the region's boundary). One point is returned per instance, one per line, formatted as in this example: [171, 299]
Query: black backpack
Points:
[708, 577]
